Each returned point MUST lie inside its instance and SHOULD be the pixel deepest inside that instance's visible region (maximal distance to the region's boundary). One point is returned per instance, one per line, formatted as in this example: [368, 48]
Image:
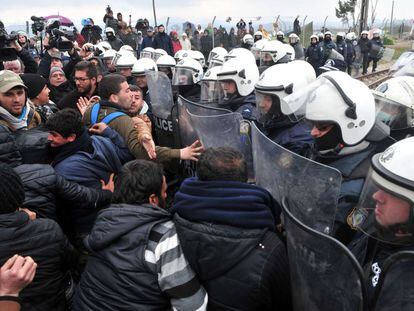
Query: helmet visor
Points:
[211, 92]
[183, 76]
[383, 212]
[267, 58]
[145, 54]
[395, 115]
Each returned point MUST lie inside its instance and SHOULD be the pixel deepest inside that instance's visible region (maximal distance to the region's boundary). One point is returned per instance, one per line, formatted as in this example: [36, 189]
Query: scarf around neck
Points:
[16, 123]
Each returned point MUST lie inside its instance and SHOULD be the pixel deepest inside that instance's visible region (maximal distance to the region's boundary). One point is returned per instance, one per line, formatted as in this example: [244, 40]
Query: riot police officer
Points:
[238, 77]
[342, 111]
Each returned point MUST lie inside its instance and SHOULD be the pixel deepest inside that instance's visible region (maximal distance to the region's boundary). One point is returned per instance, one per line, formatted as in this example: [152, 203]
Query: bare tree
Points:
[374, 4]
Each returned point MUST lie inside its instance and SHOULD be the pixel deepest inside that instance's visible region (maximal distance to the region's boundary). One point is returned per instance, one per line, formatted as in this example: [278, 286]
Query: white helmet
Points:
[143, 65]
[293, 38]
[179, 55]
[211, 88]
[166, 61]
[188, 71]
[198, 56]
[364, 32]
[244, 74]
[103, 46]
[385, 209]
[350, 36]
[240, 53]
[125, 61]
[216, 56]
[109, 54]
[279, 81]
[336, 97]
[257, 47]
[394, 100]
[283, 79]
[272, 52]
[327, 33]
[290, 52]
[127, 47]
[248, 39]
[313, 37]
[258, 33]
[341, 34]
[376, 32]
[109, 30]
[158, 53]
[392, 166]
[280, 33]
[147, 52]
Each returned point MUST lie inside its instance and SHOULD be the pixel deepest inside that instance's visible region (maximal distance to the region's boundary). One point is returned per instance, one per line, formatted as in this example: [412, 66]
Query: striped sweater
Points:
[175, 276]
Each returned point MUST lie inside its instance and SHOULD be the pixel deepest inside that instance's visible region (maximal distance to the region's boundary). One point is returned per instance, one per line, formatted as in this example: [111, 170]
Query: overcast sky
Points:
[18, 11]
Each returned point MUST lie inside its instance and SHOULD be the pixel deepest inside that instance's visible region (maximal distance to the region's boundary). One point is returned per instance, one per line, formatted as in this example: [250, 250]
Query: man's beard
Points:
[87, 90]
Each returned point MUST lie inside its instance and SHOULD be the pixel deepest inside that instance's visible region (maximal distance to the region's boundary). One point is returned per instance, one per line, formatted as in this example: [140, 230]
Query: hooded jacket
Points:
[226, 232]
[118, 241]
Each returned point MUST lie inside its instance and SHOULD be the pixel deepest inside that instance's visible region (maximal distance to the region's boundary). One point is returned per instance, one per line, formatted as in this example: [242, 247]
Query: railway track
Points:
[372, 80]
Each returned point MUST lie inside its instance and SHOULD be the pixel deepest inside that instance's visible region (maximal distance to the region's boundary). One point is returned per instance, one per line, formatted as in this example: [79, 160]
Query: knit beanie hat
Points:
[54, 69]
[34, 82]
[11, 190]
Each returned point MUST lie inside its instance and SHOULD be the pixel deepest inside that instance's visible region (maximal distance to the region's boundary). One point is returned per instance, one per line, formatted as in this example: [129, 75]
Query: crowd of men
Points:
[99, 210]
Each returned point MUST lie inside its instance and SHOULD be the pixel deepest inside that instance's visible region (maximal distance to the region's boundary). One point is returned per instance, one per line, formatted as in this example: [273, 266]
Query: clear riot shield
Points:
[403, 60]
[162, 103]
[324, 274]
[225, 130]
[394, 290]
[312, 189]
[406, 70]
[187, 133]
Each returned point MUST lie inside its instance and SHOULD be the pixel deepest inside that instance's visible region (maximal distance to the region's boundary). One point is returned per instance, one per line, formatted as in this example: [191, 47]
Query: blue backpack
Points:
[110, 117]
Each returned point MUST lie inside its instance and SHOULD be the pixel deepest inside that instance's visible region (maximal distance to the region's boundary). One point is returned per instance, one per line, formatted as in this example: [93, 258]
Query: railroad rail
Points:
[372, 80]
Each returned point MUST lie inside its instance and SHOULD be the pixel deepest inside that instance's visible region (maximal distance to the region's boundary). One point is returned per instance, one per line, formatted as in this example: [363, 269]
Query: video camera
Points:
[62, 40]
[7, 53]
[38, 24]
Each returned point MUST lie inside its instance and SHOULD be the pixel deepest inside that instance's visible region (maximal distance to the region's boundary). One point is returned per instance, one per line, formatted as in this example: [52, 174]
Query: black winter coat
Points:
[241, 269]
[44, 241]
[9, 151]
[91, 34]
[163, 41]
[43, 189]
[364, 45]
[117, 277]
[58, 92]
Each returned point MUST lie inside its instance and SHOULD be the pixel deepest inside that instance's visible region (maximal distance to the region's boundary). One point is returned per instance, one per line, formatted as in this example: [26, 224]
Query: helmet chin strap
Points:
[402, 233]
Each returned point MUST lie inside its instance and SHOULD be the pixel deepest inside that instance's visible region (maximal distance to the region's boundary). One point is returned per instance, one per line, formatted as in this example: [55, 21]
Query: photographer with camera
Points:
[57, 41]
[91, 32]
[10, 50]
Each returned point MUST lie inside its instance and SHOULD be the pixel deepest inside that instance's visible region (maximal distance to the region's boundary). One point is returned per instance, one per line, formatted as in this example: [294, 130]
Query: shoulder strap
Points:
[112, 116]
[95, 113]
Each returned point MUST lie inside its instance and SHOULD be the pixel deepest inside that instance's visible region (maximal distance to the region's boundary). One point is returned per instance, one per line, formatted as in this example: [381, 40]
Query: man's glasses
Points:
[81, 79]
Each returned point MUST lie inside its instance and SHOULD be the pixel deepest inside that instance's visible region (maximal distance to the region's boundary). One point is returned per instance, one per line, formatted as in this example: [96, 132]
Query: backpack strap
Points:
[95, 113]
[112, 116]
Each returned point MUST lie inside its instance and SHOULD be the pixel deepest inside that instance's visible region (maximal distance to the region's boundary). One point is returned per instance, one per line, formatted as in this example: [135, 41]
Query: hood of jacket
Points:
[120, 219]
